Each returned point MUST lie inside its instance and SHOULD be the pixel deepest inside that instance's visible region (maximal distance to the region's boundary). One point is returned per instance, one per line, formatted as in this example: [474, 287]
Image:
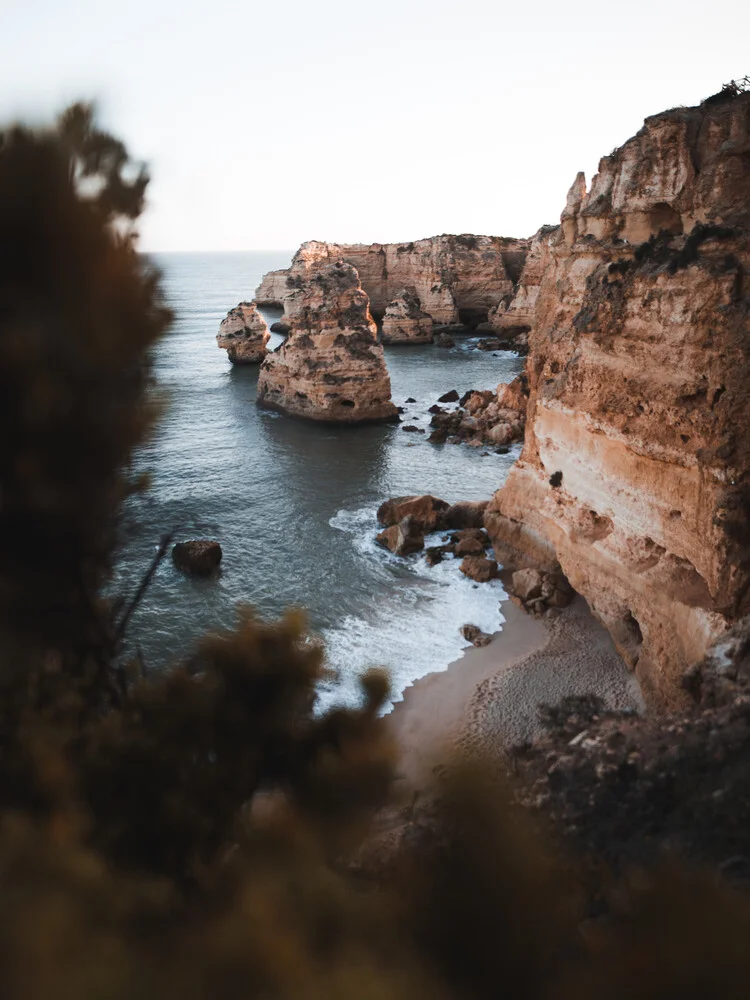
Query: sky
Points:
[267, 124]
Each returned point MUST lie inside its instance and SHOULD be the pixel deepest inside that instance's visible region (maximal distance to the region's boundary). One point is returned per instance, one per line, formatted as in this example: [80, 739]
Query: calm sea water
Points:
[293, 503]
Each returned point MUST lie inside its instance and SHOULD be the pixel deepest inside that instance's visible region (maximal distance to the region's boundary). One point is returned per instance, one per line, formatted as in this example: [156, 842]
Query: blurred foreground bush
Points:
[187, 834]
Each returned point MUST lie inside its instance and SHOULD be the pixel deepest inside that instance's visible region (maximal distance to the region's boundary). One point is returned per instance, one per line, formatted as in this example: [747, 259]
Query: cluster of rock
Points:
[331, 367]
[484, 417]
[448, 280]
[406, 521]
[243, 334]
[538, 592]
[635, 469]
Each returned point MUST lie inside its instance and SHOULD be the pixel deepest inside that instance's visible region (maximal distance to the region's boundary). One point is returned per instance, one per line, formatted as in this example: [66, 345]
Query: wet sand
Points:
[489, 699]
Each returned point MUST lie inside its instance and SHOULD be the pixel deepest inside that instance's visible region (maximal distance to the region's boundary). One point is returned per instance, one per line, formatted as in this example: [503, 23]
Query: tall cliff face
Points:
[455, 278]
[635, 472]
[331, 366]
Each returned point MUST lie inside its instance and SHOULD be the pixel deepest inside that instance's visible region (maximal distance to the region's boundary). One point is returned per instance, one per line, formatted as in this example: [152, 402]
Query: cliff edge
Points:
[635, 471]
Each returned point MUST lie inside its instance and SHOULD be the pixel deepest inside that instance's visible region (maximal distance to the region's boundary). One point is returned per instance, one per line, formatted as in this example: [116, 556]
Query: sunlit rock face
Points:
[635, 471]
[272, 289]
[243, 334]
[331, 366]
[455, 278]
[405, 322]
[513, 316]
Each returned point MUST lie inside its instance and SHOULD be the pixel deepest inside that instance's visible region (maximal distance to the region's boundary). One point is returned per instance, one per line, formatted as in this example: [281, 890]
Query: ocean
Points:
[293, 503]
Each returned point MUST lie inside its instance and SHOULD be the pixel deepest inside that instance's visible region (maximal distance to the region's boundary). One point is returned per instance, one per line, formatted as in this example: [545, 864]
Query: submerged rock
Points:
[200, 557]
[331, 367]
[243, 334]
[444, 340]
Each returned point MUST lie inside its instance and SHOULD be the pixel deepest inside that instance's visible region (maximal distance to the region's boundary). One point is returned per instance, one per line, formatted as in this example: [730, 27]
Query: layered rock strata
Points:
[272, 289]
[635, 472]
[404, 321]
[456, 279]
[243, 334]
[331, 366]
[513, 316]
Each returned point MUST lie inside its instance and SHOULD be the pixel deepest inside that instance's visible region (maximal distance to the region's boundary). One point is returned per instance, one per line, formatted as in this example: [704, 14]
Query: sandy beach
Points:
[489, 698]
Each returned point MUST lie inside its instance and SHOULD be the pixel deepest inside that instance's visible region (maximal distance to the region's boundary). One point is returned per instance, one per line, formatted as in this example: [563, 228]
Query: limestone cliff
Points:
[405, 322]
[635, 472]
[513, 316]
[456, 279]
[272, 289]
[331, 366]
[243, 334]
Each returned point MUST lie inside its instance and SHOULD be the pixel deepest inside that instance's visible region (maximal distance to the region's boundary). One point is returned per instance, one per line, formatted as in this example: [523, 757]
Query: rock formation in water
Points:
[331, 366]
[243, 334]
[635, 472]
[456, 279]
[404, 321]
[484, 417]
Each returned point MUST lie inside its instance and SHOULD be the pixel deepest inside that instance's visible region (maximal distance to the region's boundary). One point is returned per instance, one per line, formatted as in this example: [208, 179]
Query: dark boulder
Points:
[198, 556]
[466, 514]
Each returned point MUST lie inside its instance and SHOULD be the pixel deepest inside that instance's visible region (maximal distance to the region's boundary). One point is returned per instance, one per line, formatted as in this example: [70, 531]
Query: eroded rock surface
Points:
[243, 334]
[635, 472]
[456, 279]
[404, 321]
[331, 366]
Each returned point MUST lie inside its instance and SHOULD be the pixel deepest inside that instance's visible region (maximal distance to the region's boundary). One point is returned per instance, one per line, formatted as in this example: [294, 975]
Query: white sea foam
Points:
[415, 629]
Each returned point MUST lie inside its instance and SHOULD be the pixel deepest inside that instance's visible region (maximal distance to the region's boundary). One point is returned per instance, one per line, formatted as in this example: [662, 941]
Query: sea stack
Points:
[331, 367]
[635, 471]
[243, 334]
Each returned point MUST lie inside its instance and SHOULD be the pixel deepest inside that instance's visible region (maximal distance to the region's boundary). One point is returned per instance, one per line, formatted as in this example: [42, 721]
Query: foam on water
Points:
[416, 631]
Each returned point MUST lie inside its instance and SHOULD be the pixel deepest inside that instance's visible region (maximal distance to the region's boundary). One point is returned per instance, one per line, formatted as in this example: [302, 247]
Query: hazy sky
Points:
[266, 124]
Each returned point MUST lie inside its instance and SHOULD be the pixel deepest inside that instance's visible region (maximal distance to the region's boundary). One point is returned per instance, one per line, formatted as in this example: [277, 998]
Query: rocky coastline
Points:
[631, 488]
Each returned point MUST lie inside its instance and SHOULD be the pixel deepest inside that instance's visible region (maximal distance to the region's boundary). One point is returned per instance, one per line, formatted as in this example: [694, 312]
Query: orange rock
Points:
[636, 452]
[479, 568]
[243, 334]
[331, 366]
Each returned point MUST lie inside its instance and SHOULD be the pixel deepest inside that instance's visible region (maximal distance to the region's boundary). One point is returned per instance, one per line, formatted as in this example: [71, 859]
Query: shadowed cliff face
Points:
[635, 473]
[331, 367]
[455, 278]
